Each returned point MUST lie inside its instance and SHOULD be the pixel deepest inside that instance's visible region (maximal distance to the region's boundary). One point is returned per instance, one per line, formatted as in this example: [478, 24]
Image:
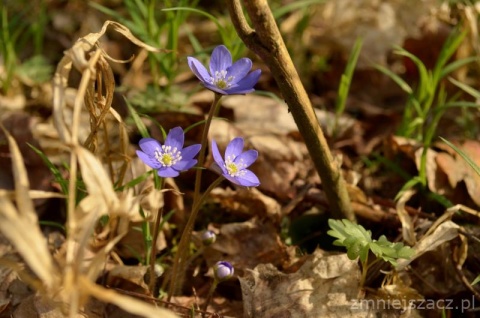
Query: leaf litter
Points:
[88, 271]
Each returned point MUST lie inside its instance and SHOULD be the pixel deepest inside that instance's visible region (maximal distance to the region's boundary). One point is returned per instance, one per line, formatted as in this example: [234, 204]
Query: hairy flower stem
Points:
[266, 41]
[177, 275]
[176, 279]
[210, 295]
[153, 246]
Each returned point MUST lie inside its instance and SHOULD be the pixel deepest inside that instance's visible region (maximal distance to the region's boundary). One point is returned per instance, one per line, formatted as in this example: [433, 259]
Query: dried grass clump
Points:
[69, 278]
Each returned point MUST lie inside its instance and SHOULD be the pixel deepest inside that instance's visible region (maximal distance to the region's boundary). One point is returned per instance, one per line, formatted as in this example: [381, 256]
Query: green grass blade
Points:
[53, 169]
[280, 12]
[468, 89]
[448, 49]
[397, 79]
[456, 65]
[138, 122]
[424, 75]
[407, 186]
[136, 181]
[220, 28]
[347, 77]
[465, 157]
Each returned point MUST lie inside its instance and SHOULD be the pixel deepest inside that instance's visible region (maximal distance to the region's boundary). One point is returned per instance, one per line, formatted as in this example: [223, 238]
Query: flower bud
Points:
[223, 271]
[208, 237]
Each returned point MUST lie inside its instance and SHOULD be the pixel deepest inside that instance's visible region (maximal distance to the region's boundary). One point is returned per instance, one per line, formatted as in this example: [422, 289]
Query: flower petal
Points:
[183, 165]
[199, 70]
[249, 179]
[246, 84]
[234, 91]
[215, 88]
[168, 172]
[233, 180]
[220, 60]
[215, 168]
[247, 158]
[175, 138]
[148, 160]
[190, 151]
[218, 157]
[149, 145]
[239, 70]
[234, 148]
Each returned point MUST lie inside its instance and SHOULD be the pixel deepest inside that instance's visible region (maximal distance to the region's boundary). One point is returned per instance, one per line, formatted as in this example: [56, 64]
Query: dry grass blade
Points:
[33, 194]
[129, 304]
[20, 225]
[25, 205]
[85, 44]
[408, 230]
[95, 177]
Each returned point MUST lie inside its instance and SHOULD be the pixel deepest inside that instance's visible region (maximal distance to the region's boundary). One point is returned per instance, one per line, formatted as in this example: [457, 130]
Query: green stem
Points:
[180, 257]
[204, 142]
[176, 278]
[364, 272]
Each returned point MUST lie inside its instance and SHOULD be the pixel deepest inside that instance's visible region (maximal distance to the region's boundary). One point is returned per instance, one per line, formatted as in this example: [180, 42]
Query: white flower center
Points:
[235, 169]
[168, 156]
[221, 80]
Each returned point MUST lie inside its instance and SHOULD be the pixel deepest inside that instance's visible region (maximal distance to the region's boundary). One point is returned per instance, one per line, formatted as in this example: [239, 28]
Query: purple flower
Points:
[171, 158]
[224, 77]
[223, 271]
[234, 168]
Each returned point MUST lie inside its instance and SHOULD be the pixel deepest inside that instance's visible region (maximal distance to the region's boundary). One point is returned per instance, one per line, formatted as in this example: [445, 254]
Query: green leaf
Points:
[36, 69]
[358, 243]
[353, 236]
[388, 251]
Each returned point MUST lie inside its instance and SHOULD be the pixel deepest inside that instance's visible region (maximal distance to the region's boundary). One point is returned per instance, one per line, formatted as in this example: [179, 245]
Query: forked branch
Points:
[265, 40]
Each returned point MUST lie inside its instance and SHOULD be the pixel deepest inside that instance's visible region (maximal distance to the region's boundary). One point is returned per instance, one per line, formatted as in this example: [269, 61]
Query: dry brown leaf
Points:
[41, 307]
[445, 169]
[127, 275]
[472, 149]
[323, 287]
[443, 233]
[381, 24]
[249, 202]
[248, 244]
[457, 169]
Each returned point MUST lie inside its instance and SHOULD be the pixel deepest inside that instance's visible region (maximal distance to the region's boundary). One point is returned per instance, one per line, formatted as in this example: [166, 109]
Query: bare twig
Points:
[266, 41]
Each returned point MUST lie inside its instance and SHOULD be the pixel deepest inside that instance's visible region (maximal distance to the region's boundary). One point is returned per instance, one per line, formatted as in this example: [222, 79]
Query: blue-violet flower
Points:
[234, 168]
[208, 237]
[171, 158]
[224, 77]
[222, 271]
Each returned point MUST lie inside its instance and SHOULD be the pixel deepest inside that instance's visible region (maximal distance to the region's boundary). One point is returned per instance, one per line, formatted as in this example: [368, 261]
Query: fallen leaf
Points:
[248, 244]
[323, 287]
